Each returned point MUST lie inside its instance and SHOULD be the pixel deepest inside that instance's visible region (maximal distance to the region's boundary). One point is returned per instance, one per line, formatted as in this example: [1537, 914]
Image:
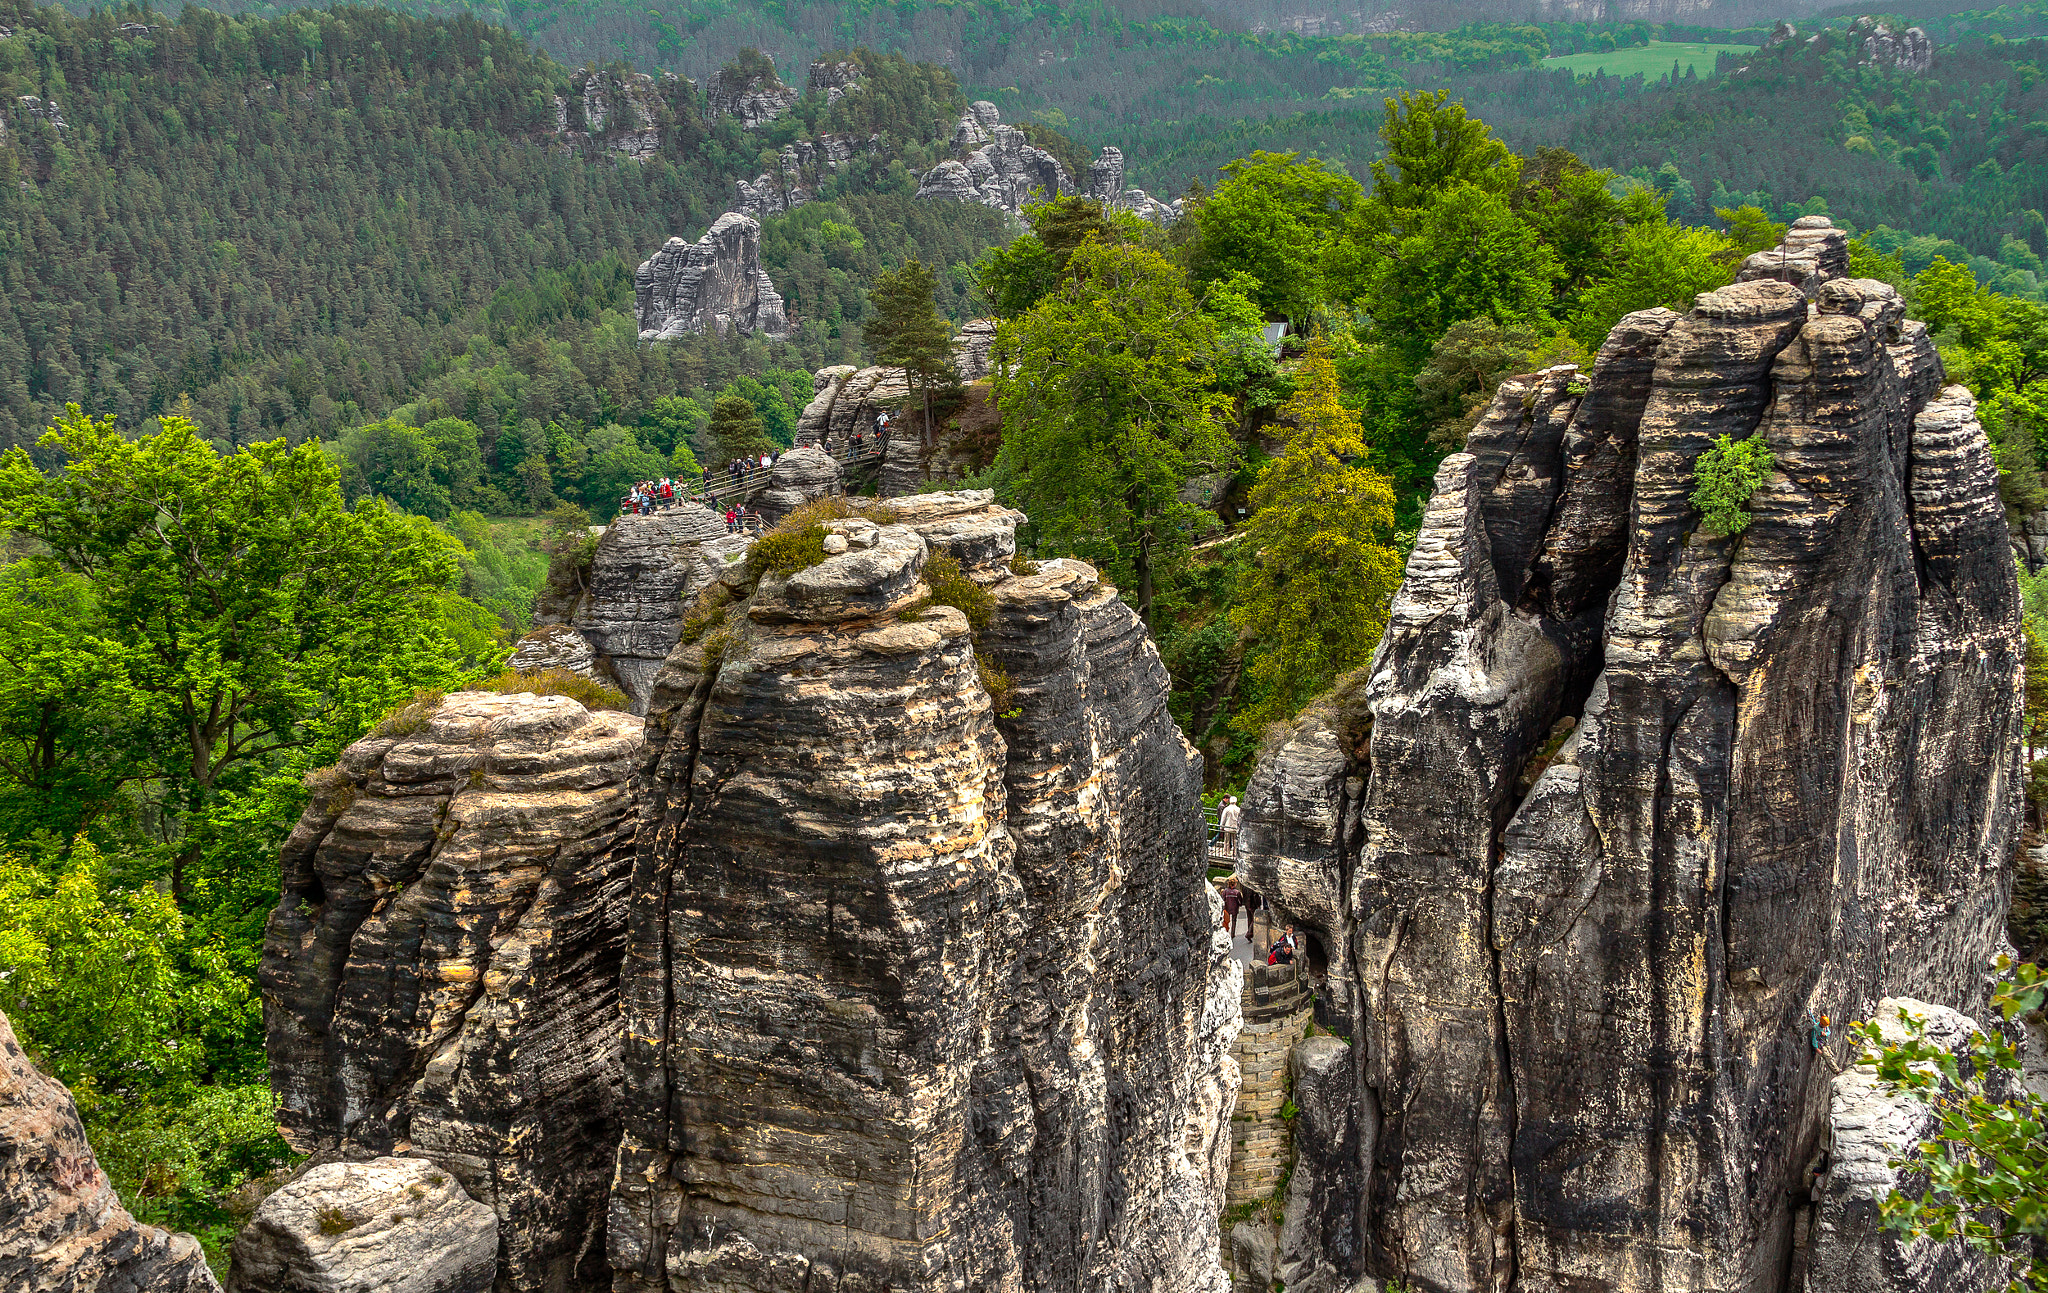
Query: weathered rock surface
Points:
[1000, 168]
[799, 168]
[1790, 787]
[709, 285]
[1814, 252]
[833, 80]
[389, 1225]
[1878, 41]
[619, 113]
[755, 99]
[440, 976]
[970, 349]
[62, 1228]
[644, 570]
[555, 646]
[804, 473]
[924, 988]
[1869, 1127]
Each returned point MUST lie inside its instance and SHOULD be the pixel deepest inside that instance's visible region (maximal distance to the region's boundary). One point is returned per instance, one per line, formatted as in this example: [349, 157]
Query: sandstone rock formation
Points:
[754, 99]
[62, 1228]
[833, 80]
[882, 407]
[440, 976]
[710, 285]
[804, 473]
[1869, 1128]
[1876, 40]
[925, 988]
[970, 349]
[1789, 788]
[644, 570]
[799, 167]
[389, 1225]
[1000, 168]
[619, 113]
[556, 646]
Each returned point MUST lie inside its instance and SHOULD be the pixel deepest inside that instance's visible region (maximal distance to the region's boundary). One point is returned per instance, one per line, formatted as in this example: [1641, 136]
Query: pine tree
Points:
[1323, 571]
[736, 429]
[907, 331]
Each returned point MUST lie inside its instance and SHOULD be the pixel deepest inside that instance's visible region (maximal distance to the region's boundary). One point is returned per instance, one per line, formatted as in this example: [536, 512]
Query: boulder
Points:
[802, 474]
[441, 971]
[62, 1227]
[389, 1225]
[1871, 1126]
[1578, 956]
[710, 285]
[554, 646]
[958, 1015]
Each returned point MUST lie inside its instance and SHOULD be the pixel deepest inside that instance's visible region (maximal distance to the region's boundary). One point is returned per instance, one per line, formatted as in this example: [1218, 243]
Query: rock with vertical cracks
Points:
[924, 989]
[441, 974]
[389, 1225]
[1582, 955]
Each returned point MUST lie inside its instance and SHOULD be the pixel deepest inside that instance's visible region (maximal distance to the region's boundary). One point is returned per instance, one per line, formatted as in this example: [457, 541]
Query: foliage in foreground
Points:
[1987, 1172]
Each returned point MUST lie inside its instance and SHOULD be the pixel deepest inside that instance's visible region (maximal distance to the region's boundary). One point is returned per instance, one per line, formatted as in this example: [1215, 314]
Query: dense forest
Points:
[295, 225]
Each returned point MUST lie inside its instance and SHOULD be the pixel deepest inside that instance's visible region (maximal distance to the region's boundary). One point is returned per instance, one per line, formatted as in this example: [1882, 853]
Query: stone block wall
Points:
[1277, 1007]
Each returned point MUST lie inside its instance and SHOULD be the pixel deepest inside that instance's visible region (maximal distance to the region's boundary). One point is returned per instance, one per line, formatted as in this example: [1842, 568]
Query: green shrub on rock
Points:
[1724, 479]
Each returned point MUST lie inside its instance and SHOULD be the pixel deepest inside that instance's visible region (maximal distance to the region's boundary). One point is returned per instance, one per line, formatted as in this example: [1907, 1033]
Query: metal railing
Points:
[723, 490]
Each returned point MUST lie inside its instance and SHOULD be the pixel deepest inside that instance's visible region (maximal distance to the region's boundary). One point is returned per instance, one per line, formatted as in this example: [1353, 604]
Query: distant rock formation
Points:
[441, 973]
[802, 164]
[62, 1227]
[833, 80]
[955, 1026]
[619, 113]
[1875, 40]
[921, 979]
[709, 285]
[1623, 803]
[1002, 169]
[393, 1225]
[755, 100]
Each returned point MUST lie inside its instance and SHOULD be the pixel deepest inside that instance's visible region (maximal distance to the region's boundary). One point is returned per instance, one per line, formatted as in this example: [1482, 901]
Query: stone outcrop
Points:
[925, 988]
[644, 570]
[710, 285]
[1000, 168]
[62, 1227]
[970, 349]
[754, 99]
[1814, 252]
[440, 976]
[556, 646]
[1869, 1128]
[833, 80]
[881, 406]
[619, 113]
[1576, 959]
[799, 167]
[389, 1225]
[804, 473]
[1875, 40]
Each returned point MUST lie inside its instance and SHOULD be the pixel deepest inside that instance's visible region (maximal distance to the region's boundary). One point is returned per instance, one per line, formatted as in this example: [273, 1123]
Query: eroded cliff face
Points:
[714, 285]
[924, 987]
[62, 1227]
[1788, 786]
[440, 976]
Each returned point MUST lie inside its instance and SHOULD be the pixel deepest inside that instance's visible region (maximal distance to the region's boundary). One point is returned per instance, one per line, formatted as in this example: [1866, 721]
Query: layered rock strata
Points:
[1789, 788]
[711, 285]
[645, 569]
[440, 976]
[390, 1225]
[925, 988]
[62, 1227]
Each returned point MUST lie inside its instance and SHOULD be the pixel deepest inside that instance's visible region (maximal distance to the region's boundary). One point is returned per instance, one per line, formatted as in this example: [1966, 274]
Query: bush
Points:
[589, 692]
[951, 587]
[706, 613]
[413, 715]
[1724, 479]
[996, 683]
[784, 552]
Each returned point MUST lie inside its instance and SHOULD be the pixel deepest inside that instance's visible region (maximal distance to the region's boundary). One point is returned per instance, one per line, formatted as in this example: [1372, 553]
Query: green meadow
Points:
[1652, 60]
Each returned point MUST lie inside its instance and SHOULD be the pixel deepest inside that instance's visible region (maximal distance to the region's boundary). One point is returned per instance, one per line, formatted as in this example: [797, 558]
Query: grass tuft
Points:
[588, 692]
[411, 716]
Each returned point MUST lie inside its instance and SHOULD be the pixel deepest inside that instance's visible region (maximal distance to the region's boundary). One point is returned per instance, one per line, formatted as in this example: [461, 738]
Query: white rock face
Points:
[391, 1225]
[710, 285]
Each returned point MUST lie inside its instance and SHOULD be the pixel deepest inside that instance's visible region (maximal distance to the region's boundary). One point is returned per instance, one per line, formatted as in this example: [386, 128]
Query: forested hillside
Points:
[300, 223]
